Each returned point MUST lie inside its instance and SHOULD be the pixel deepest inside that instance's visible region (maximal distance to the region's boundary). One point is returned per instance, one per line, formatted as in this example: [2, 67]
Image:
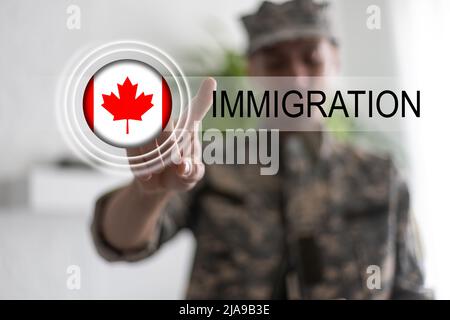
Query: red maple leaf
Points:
[127, 107]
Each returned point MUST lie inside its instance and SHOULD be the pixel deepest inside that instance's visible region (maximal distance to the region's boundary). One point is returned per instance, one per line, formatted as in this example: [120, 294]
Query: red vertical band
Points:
[88, 103]
[166, 103]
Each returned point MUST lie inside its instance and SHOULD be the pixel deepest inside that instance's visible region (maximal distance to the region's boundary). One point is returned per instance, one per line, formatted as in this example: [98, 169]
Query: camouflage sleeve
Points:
[175, 217]
[409, 275]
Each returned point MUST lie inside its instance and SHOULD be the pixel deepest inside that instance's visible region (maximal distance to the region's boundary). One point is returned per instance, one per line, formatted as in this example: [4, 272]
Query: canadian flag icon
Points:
[127, 103]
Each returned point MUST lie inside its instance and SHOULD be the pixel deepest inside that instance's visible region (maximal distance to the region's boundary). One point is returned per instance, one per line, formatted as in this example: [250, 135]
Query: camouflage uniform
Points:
[309, 232]
[315, 227]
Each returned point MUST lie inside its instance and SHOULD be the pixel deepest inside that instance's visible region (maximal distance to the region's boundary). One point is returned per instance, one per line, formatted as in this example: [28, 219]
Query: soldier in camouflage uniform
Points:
[310, 232]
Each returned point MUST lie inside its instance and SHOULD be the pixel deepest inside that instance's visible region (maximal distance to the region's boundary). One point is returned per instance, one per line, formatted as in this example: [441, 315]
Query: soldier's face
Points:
[306, 57]
[306, 64]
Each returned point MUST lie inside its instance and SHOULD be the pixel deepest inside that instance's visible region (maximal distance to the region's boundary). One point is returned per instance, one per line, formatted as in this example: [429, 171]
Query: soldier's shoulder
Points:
[364, 162]
[364, 179]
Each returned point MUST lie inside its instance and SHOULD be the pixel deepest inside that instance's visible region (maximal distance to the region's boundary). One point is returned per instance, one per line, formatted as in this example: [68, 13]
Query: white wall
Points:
[422, 42]
[35, 251]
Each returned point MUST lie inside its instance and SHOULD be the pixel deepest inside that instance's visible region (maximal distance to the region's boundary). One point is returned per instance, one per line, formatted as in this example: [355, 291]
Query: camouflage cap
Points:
[274, 22]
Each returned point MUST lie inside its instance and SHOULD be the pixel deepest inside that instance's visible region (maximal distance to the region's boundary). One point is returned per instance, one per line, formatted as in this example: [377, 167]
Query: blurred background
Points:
[47, 195]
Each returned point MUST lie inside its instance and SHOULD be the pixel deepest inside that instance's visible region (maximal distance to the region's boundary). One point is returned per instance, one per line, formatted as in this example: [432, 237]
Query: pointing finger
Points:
[203, 100]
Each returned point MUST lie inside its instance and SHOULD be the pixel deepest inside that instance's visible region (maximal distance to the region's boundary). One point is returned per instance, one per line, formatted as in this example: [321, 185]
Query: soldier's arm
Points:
[409, 275]
[130, 223]
[130, 216]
